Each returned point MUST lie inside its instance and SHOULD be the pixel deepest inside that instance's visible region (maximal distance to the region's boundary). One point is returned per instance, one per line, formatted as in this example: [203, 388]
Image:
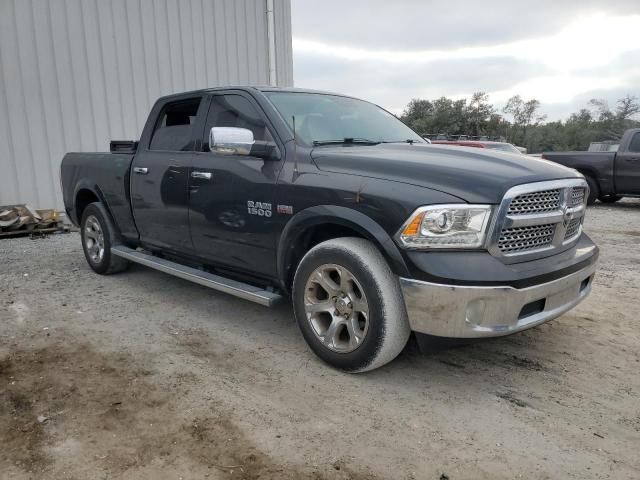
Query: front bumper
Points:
[458, 311]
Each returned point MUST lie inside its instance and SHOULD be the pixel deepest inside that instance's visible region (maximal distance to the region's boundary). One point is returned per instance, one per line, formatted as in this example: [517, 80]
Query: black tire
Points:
[594, 190]
[387, 326]
[105, 263]
[610, 198]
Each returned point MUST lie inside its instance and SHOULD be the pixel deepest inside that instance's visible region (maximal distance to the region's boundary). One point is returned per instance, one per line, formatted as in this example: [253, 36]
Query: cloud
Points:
[561, 110]
[434, 24]
[587, 52]
[390, 87]
[573, 47]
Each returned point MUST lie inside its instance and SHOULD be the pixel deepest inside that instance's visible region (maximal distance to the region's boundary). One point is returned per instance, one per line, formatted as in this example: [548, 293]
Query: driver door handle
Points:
[203, 175]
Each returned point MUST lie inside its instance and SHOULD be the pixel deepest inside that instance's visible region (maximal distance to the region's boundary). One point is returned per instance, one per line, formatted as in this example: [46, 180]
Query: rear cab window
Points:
[173, 130]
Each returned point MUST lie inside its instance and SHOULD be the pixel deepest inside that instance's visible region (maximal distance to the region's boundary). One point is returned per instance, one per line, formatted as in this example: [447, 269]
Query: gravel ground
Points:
[142, 375]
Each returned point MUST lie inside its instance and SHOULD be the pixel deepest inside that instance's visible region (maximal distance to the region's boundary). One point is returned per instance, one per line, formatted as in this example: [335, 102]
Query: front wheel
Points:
[348, 305]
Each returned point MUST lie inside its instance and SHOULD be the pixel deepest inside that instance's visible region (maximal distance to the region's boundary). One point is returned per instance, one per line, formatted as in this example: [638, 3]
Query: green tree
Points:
[524, 124]
[479, 113]
[613, 123]
[524, 114]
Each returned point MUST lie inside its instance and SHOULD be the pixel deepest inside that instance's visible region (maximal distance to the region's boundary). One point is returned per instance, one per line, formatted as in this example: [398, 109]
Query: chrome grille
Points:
[538, 219]
[577, 196]
[526, 238]
[535, 202]
[573, 228]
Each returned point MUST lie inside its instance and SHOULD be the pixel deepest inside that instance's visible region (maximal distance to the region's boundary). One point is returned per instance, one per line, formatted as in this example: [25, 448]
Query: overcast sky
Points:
[390, 51]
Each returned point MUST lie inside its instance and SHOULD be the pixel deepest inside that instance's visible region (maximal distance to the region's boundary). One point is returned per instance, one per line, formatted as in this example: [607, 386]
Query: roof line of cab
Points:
[257, 88]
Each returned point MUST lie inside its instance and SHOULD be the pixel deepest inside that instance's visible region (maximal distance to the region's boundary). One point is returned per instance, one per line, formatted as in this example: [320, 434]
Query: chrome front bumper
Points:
[472, 312]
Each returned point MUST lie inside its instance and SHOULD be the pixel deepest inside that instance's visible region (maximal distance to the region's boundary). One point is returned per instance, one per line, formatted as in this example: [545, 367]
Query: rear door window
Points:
[634, 146]
[174, 128]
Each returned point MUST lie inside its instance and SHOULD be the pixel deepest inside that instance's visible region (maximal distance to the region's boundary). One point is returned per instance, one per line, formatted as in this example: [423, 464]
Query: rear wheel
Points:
[594, 190]
[610, 198]
[98, 236]
[349, 306]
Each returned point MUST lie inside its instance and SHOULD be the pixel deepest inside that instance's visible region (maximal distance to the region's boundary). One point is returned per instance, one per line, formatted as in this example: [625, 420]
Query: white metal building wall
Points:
[76, 73]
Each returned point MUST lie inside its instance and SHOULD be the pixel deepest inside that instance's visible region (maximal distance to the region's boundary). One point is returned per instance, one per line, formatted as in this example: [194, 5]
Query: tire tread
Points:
[111, 263]
[395, 330]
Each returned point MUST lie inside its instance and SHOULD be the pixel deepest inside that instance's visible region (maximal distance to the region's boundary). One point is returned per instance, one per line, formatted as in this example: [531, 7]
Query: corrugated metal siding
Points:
[76, 73]
[284, 52]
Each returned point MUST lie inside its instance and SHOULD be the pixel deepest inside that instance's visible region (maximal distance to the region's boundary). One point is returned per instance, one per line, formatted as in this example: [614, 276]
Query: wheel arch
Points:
[324, 222]
[86, 194]
[83, 197]
[591, 176]
[586, 171]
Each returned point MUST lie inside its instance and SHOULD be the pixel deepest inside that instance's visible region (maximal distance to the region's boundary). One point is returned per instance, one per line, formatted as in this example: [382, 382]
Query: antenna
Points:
[295, 149]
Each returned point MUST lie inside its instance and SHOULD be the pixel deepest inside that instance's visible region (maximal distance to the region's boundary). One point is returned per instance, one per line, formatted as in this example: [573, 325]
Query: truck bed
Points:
[106, 173]
[599, 165]
[595, 158]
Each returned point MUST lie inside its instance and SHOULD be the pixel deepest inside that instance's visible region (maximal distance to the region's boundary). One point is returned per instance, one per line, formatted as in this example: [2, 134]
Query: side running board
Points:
[216, 282]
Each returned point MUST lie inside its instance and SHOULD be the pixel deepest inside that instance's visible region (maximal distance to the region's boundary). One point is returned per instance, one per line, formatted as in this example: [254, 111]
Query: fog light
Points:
[476, 312]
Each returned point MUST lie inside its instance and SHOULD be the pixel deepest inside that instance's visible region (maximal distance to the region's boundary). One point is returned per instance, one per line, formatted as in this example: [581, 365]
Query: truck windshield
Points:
[332, 119]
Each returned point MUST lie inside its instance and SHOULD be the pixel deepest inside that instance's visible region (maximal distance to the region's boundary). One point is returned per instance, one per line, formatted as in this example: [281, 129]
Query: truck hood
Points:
[474, 175]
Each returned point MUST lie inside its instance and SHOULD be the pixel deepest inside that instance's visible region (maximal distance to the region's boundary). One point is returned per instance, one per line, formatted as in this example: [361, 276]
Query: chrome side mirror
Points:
[231, 140]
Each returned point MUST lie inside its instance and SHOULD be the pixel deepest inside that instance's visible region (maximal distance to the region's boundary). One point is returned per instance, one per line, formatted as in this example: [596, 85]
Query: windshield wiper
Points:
[409, 140]
[346, 141]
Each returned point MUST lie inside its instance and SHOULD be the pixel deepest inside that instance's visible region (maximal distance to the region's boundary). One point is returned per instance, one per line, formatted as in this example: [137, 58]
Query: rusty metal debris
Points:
[20, 220]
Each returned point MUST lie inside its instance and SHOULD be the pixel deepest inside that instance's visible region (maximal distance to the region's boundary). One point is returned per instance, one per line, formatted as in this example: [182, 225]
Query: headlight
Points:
[446, 226]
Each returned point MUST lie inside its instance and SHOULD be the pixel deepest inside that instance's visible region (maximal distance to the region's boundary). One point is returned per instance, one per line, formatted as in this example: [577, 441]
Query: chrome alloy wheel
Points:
[94, 239]
[336, 308]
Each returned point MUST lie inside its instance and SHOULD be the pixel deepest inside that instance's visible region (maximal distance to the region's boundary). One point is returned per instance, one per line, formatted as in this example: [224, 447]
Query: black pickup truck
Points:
[265, 193]
[610, 175]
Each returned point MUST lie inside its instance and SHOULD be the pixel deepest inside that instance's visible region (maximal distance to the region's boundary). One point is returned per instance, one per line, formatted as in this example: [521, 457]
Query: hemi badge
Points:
[285, 209]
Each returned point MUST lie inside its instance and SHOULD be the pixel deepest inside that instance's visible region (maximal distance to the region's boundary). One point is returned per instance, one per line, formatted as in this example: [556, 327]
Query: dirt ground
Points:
[141, 375]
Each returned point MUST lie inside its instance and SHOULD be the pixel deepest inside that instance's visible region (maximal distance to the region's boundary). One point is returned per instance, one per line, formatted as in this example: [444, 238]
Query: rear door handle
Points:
[203, 175]
[141, 170]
